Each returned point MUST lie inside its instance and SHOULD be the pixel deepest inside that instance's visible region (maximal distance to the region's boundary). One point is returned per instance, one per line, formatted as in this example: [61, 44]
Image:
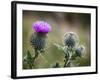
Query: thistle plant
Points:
[71, 48]
[38, 40]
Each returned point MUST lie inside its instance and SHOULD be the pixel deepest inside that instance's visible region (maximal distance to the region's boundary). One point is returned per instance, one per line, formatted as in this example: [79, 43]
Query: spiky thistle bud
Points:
[80, 50]
[38, 41]
[71, 39]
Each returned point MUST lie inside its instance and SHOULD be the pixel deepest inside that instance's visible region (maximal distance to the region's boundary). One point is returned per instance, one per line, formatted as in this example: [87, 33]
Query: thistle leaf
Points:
[58, 46]
[28, 59]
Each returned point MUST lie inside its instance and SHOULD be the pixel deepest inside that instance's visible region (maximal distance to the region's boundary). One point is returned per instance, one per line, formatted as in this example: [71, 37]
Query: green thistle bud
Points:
[80, 50]
[38, 40]
[71, 39]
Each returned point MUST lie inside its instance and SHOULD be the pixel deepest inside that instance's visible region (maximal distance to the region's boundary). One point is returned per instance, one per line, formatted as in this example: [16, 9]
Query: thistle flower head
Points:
[80, 50]
[41, 27]
[71, 39]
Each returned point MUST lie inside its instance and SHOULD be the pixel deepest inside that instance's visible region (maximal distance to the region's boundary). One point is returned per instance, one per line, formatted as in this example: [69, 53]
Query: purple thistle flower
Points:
[41, 27]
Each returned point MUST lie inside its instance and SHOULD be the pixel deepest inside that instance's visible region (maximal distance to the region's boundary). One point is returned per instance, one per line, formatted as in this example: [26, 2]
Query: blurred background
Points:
[61, 23]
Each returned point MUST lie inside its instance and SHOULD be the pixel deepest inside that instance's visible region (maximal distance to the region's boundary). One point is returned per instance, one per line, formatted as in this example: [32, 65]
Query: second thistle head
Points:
[71, 39]
[38, 38]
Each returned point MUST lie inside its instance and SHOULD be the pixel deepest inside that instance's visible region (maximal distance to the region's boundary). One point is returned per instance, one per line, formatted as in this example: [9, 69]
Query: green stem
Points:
[67, 61]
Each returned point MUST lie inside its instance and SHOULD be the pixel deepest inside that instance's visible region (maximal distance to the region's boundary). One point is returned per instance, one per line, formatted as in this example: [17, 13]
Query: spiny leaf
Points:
[29, 59]
[58, 46]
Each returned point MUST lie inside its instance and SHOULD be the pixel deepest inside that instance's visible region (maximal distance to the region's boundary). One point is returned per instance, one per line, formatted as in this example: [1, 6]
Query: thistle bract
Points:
[80, 50]
[41, 27]
[71, 39]
[38, 41]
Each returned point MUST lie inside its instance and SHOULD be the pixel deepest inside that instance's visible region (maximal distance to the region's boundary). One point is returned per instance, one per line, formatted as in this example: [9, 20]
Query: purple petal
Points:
[41, 26]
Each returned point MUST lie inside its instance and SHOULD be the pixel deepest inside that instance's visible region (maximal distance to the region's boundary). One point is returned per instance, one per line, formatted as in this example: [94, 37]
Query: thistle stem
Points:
[67, 61]
[36, 54]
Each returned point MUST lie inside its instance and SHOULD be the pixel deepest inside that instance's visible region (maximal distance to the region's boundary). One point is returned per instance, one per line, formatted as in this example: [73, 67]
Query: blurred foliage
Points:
[61, 23]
